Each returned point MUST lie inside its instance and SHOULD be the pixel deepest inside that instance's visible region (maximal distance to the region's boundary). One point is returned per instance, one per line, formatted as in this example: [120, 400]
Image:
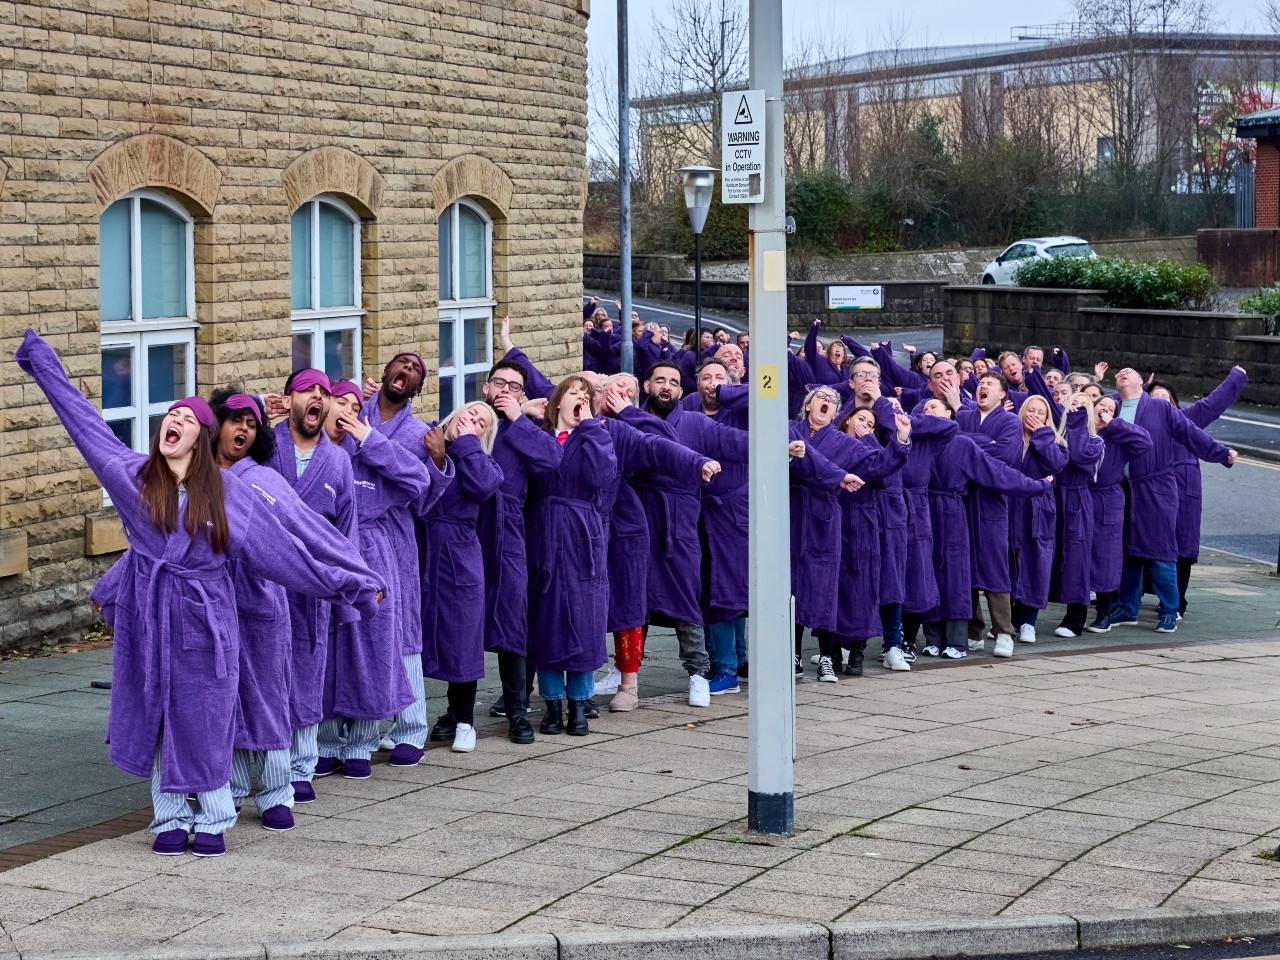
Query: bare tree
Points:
[815, 114]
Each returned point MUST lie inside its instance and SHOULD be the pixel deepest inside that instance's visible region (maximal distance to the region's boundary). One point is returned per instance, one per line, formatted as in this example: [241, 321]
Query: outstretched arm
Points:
[1210, 407]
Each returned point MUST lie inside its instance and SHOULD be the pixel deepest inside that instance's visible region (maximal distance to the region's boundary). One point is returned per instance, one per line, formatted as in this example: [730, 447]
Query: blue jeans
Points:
[1164, 580]
[722, 646]
[740, 638]
[552, 684]
[891, 625]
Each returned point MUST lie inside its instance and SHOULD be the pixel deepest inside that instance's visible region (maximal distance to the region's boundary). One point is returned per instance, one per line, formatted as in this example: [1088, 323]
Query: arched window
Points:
[324, 276]
[466, 303]
[146, 294]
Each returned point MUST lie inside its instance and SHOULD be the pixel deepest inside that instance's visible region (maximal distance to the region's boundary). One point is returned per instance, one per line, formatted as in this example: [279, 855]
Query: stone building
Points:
[194, 193]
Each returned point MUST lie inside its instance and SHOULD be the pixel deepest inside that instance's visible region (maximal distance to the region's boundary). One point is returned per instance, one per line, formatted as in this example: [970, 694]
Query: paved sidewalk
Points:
[1127, 771]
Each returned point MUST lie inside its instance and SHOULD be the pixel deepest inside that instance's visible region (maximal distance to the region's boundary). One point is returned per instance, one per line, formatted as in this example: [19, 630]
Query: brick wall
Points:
[1266, 197]
[242, 110]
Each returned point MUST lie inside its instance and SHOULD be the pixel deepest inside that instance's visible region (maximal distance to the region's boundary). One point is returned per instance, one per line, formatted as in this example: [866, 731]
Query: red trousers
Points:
[628, 649]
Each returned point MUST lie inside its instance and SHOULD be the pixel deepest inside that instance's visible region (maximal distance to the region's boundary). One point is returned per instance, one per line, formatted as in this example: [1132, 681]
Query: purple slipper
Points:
[327, 765]
[302, 792]
[171, 843]
[356, 770]
[277, 818]
[209, 845]
[405, 755]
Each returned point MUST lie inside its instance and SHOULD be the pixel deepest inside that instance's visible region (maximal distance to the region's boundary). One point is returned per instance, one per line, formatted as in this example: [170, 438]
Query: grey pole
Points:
[771, 704]
[624, 190]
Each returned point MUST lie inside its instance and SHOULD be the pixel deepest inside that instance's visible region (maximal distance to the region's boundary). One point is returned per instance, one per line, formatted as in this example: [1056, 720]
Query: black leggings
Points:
[462, 702]
[1184, 578]
[515, 688]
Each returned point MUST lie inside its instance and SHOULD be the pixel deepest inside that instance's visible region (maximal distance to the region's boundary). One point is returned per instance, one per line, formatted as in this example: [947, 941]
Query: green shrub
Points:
[1266, 302]
[822, 204]
[1127, 284]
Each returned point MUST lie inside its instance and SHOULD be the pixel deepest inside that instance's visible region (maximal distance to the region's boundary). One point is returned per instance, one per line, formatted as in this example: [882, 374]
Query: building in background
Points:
[194, 195]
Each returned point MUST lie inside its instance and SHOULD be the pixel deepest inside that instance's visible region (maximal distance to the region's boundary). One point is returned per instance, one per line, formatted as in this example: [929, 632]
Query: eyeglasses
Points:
[513, 385]
[865, 375]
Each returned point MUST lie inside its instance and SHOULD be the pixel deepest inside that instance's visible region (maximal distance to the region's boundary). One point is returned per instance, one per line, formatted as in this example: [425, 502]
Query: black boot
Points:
[854, 667]
[552, 718]
[577, 725]
[519, 730]
[444, 729]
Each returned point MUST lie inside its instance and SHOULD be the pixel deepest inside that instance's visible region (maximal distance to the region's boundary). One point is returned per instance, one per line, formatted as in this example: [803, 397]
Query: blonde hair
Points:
[490, 433]
[1059, 429]
[618, 378]
[1088, 407]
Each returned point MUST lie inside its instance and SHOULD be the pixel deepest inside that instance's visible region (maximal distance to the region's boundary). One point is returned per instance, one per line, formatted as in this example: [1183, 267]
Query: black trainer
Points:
[444, 729]
[593, 709]
[499, 708]
[519, 729]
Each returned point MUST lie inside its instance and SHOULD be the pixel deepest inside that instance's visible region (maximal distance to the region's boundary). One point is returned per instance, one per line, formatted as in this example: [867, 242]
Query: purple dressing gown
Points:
[1187, 468]
[568, 555]
[364, 670]
[328, 488]
[266, 633]
[175, 668]
[1033, 521]
[404, 526]
[858, 586]
[453, 568]
[962, 465]
[1121, 441]
[815, 523]
[521, 450]
[671, 506]
[1152, 533]
[538, 387]
[1075, 524]
[625, 523]
[999, 436]
[822, 370]
[920, 593]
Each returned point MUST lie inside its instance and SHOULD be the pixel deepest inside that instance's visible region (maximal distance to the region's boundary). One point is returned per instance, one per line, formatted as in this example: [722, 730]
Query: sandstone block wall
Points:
[242, 110]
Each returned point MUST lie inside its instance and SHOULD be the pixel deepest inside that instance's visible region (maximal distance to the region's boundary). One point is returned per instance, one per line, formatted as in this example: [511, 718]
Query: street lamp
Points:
[699, 182]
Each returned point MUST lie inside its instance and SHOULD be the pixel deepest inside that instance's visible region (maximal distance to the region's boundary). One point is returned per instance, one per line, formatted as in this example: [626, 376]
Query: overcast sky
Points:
[930, 22]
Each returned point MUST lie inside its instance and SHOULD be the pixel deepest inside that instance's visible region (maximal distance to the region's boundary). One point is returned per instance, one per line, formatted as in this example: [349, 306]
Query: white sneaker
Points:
[386, 744]
[1004, 646]
[1026, 633]
[894, 660]
[608, 685]
[699, 692]
[826, 672]
[977, 646]
[1065, 632]
[464, 738]
[932, 651]
[954, 653]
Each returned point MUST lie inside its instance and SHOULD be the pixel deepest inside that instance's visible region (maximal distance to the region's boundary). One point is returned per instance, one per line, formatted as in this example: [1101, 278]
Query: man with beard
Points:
[390, 413]
[521, 450]
[321, 476]
[672, 508]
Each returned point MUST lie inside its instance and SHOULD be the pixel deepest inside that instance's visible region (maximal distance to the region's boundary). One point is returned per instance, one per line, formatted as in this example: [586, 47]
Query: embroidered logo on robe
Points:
[332, 492]
[265, 496]
[367, 484]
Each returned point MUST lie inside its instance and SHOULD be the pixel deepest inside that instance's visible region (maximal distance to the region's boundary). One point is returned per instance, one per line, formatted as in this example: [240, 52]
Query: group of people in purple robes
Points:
[289, 589]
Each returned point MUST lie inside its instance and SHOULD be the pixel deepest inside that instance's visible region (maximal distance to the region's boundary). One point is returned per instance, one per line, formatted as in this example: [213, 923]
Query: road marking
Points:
[1252, 423]
[1241, 556]
[1257, 463]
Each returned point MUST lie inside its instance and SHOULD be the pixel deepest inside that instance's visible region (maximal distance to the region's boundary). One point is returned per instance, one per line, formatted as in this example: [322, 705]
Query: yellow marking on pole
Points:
[767, 381]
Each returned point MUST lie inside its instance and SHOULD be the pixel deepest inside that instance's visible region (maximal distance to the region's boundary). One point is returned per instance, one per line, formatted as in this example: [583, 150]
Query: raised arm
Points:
[1133, 439]
[1083, 450]
[1051, 454]
[1059, 359]
[114, 464]
[538, 387]
[854, 347]
[1210, 407]
[1195, 439]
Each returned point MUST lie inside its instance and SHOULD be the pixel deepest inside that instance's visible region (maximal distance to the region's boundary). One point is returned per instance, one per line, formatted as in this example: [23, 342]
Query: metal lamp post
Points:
[699, 182]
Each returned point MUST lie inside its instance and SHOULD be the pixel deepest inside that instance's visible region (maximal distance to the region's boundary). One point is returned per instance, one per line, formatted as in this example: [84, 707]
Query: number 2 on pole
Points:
[767, 381]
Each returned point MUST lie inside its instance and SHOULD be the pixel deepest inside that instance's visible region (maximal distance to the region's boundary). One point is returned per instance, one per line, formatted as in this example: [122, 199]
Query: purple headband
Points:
[242, 401]
[344, 387]
[422, 367]
[304, 380]
[201, 409]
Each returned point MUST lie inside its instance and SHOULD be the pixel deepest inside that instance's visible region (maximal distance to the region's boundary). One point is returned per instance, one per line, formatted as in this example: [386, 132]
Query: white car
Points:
[1001, 269]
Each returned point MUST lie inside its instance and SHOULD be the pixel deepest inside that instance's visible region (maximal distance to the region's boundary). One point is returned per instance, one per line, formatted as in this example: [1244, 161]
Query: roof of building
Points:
[1262, 123]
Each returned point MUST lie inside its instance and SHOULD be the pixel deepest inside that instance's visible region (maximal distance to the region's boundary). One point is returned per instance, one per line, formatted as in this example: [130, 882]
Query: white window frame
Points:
[458, 310]
[139, 335]
[316, 322]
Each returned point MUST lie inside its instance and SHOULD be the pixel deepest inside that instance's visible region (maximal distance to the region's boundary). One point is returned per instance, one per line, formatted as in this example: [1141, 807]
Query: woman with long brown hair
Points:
[175, 663]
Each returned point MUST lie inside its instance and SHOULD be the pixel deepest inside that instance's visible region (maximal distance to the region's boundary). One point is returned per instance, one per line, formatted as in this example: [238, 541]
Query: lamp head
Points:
[699, 182]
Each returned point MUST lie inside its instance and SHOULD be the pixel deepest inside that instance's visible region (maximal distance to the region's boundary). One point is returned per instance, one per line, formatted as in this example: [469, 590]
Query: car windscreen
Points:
[1069, 250]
